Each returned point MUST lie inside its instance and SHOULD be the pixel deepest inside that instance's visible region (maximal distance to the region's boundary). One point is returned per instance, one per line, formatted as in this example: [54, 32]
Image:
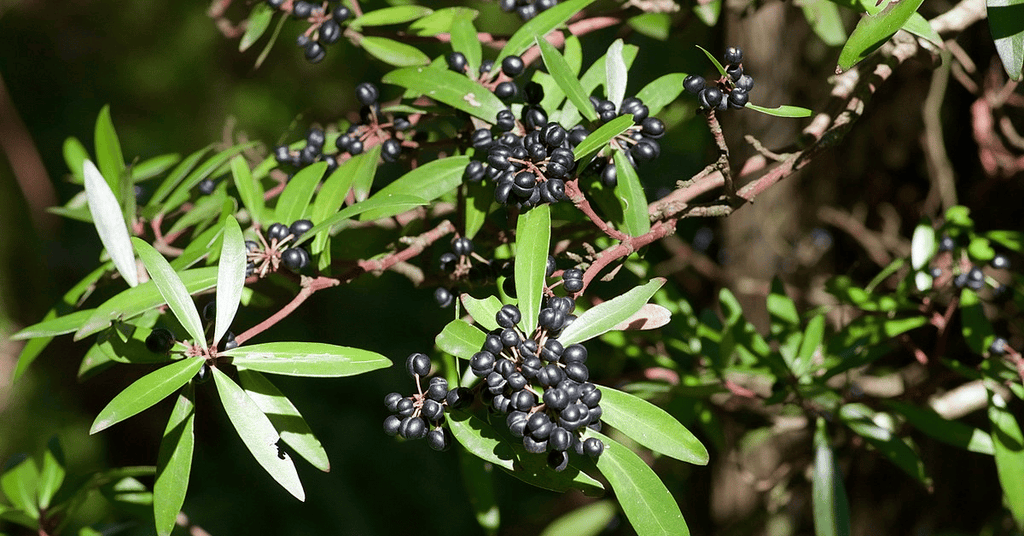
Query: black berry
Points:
[160, 341]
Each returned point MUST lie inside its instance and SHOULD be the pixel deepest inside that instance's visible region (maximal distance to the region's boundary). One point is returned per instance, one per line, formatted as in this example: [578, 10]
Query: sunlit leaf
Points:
[615, 73]
[18, 482]
[600, 137]
[831, 508]
[483, 310]
[306, 359]
[250, 191]
[393, 52]
[603, 317]
[390, 15]
[781, 111]
[630, 193]
[460, 339]
[873, 31]
[588, 520]
[230, 277]
[453, 89]
[540, 26]
[145, 392]
[661, 92]
[109, 158]
[256, 25]
[51, 474]
[859, 418]
[174, 462]
[465, 40]
[109, 222]
[950, 432]
[566, 80]
[172, 289]
[651, 426]
[427, 182]
[533, 235]
[285, 418]
[1005, 22]
[1008, 443]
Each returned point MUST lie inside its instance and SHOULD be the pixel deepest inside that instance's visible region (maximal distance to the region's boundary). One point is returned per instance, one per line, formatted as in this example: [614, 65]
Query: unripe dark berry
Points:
[457, 62]
[367, 93]
[160, 341]
[417, 364]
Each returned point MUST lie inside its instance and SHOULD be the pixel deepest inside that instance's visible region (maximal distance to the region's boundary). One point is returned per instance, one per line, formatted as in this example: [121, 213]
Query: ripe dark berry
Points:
[534, 93]
[653, 127]
[1000, 262]
[998, 346]
[392, 424]
[462, 246]
[508, 316]
[367, 93]
[203, 375]
[733, 55]
[299, 227]
[355, 147]
[228, 342]
[512, 66]
[474, 172]
[448, 261]
[947, 243]
[533, 446]
[609, 176]
[556, 399]
[558, 459]
[738, 98]
[315, 52]
[693, 83]
[210, 311]
[560, 439]
[432, 410]
[459, 397]
[341, 13]
[593, 447]
[574, 353]
[443, 297]
[505, 120]
[492, 343]
[330, 32]
[278, 231]
[276, 4]
[534, 117]
[457, 62]
[577, 372]
[417, 364]
[523, 400]
[391, 149]
[516, 422]
[160, 341]
[302, 9]
[486, 66]
[405, 407]
[734, 72]
[710, 97]
[645, 150]
[506, 91]
[413, 428]
[391, 401]
[438, 439]
[745, 82]
[207, 186]
[482, 363]
[295, 258]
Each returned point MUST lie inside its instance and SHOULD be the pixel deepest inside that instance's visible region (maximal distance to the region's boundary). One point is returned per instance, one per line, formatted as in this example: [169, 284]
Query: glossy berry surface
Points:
[417, 364]
[160, 341]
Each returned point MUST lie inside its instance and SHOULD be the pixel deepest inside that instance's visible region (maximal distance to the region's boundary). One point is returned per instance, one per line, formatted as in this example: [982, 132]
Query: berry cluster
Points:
[973, 277]
[500, 83]
[640, 141]
[312, 152]
[422, 415]
[540, 385]
[526, 9]
[324, 25]
[458, 263]
[268, 254]
[729, 91]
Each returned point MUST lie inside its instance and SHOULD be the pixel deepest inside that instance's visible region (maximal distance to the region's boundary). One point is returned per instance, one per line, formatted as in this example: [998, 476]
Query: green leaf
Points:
[781, 111]
[306, 359]
[395, 204]
[390, 15]
[651, 426]
[653, 25]
[230, 277]
[1005, 22]
[977, 329]
[51, 476]
[708, 13]
[393, 52]
[270, 42]
[478, 477]
[603, 317]
[292, 203]
[646, 501]
[566, 80]
[1008, 239]
[533, 234]
[453, 89]
[460, 339]
[540, 26]
[873, 31]
[859, 418]
[441, 21]
[172, 289]
[825, 20]
[920, 27]
[60, 325]
[176, 175]
[594, 77]
[109, 222]
[19, 481]
[953, 433]
[630, 193]
[465, 40]
[183, 191]
[830, 505]
[483, 311]
[661, 92]
[75, 154]
[600, 137]
[285, 418]
[258, 434]
[145, 392]
[108, 150]
[427, 182]
[587, 520]
[153, 167]
[615, 73]
[922, 245]
[256, 25]
[250, 191]
[1008, 443]
[479, 197]
[174, 462]
[358, 169]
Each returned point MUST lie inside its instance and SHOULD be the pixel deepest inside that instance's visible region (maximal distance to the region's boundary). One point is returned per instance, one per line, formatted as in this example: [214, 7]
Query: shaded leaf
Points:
[52, 473]
[953, 433]
[483, 310]
[19, 481]
[630, 193]
[258, 434]
[1008, 443]
[393, 52]
[859, 418]
[172, 289]
[478, 477]
[109, 222]
[603, 317]
[256, 25]
[453, 89]
[230, 277]
[427, 182]
[460, 339]
[294, 200]
[465, 40]
[824, 18]
[653, 25]
[145, 392]
[479, 198]
[566, 80]
[250, 191]
[174, 462]
[600, 137]
[873, 31]
[651, 426]
[977, 329]
[1006, 22]
[540, 26]
[646, 501]
[587, 520]
[176, 175]
[109, 158]
[830, 505]
[396, 203]
[270, 42]
[306, 359]
[533, 234]
[781, 111]
[285, 418]
[183, 191]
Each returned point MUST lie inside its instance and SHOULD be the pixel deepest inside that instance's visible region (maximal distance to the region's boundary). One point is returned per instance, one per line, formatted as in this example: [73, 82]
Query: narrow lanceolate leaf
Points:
[920, 27]
[142, 298]
[588, 520]
[393, 52]
[483, 311]
[145, 392]
[858, 418]
[600, 137]
[566, 80]
[249, 189]
[950, 432]
[51, 327]
[651, 426]
[51, 475]
[75, 154]
[922, 245]
[19, 481]
[606, 315]
[391, 15]
[465, 40]
[540, 26]
[285, 418]
[174, 462]
[781, 111]
[427, 182]
[630, 193]
[109, 222]
[172, 290]
[258, 434]
[615, 73]
[306, 359]
[108, 150]
[650, 316]
[648, 505]
[295, 198]
[977, 329]
[176, 175]
[831, 508]
[359, 169]
[453, 89]
[153, 167]
[230, 277]
[1009, 450]
[1004, 18]
[479, 199]
[874, 30]
[256, 25]
[662, 91]
[533, 235]
[460, 339]
[387, 204]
